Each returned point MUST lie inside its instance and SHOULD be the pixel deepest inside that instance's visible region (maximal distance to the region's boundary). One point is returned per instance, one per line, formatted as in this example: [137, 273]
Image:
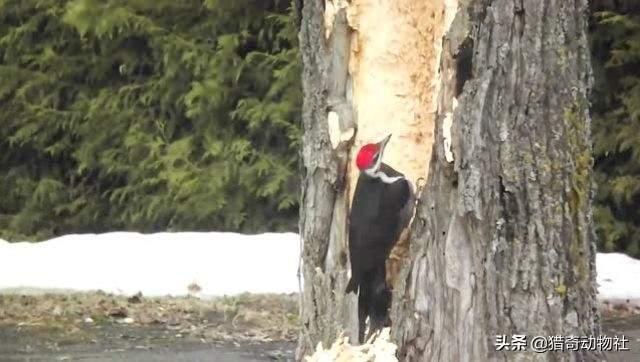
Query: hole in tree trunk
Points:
[464, 62]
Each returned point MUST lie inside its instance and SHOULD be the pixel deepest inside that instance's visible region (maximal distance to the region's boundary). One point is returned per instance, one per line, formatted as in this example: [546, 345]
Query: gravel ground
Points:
[628, 326]
[132, 343]
[101, 327]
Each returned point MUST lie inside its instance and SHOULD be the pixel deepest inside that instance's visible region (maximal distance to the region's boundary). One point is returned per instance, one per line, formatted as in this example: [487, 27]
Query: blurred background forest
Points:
[184, 115]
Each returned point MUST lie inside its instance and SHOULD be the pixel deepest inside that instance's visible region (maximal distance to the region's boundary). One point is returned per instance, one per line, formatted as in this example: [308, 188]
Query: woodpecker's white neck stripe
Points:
[375, 172]
[382, 176]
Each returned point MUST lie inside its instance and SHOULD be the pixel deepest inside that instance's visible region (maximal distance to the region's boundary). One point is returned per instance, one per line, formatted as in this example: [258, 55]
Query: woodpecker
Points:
[381, 209]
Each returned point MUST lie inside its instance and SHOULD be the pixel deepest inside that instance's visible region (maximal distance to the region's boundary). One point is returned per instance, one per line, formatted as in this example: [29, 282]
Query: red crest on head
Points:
[366, 155]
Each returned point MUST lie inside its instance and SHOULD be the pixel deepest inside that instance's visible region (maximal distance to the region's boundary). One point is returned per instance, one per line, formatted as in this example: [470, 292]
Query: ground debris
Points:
[244, 318]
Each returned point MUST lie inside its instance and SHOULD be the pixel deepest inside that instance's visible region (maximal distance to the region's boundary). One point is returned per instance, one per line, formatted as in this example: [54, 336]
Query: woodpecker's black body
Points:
[380, 211]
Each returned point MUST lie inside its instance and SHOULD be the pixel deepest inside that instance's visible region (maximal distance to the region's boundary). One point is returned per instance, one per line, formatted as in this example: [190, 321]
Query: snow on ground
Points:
[618, 276]
[154, 264]
[219, 263]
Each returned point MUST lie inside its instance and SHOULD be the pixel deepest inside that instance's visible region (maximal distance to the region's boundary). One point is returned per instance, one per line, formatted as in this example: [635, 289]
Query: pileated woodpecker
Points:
[382, 207]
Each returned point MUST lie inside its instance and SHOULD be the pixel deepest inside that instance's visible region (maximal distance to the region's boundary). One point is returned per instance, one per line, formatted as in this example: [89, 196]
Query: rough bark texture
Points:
[326, 311]
[503, 239]
[391, 79]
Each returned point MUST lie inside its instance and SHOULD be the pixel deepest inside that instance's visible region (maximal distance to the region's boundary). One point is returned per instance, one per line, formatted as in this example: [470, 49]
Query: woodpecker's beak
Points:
[384, 142]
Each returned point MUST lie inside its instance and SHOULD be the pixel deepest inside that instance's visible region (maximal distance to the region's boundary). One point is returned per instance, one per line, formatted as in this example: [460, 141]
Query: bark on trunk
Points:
[503, 239]
[381, 57]
[328, 126]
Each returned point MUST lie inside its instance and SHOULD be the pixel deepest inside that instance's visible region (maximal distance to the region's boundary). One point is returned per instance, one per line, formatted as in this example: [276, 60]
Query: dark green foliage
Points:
[182, 115]
[147, 115]
[616, 115]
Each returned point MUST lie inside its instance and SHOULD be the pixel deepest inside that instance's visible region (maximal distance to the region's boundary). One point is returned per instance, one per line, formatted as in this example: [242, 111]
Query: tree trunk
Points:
[328, 126]
[370, 66]
[503, 239]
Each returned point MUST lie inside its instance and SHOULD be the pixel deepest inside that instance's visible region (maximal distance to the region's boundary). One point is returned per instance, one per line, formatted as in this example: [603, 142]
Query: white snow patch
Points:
[218, 263]
[618, 276]
[154, 264]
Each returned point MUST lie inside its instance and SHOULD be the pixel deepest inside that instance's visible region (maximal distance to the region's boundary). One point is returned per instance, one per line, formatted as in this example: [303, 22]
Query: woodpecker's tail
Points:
[374, 300]
[364, 302]
[379, 309]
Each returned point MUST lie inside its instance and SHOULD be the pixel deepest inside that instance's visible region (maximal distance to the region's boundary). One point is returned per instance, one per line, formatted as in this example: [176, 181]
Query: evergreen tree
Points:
[615, 39]
[163, 115]
[147, 115]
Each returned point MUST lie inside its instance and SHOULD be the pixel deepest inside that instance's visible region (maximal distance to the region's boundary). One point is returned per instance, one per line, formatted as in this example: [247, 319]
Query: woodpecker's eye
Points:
[375, 159]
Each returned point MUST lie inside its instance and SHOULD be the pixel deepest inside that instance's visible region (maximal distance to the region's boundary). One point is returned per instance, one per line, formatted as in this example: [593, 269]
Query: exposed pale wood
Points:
[355, 79]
